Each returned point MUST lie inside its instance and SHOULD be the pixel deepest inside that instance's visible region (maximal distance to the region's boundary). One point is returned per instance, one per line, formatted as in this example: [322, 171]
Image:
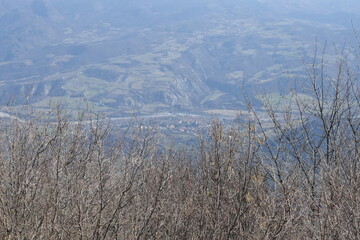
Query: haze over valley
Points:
[122, 57]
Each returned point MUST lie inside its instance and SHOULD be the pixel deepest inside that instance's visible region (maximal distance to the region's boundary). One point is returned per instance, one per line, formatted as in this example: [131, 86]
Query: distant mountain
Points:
[126, 56]
[311, 6]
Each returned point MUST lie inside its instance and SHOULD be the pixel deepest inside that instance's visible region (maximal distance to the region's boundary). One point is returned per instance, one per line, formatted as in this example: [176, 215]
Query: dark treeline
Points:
[293, 174]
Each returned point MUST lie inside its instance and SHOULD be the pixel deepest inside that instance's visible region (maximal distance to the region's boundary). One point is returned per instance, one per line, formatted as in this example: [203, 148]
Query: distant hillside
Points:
[123, 56]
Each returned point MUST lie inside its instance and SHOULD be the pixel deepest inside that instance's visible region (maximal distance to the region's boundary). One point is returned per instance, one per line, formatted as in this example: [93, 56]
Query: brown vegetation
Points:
[296, 176]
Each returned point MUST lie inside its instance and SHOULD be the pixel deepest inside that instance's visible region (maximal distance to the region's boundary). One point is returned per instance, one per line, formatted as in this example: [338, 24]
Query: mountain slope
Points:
[161, 56]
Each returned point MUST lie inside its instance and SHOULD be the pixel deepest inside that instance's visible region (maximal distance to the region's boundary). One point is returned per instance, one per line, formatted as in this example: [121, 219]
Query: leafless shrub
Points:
[294, 176]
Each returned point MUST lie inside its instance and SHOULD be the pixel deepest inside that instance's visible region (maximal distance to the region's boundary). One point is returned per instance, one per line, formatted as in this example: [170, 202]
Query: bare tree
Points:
[293, 174]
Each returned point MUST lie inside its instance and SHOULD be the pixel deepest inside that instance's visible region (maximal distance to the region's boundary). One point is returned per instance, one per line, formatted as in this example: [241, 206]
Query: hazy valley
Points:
[147, 58]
